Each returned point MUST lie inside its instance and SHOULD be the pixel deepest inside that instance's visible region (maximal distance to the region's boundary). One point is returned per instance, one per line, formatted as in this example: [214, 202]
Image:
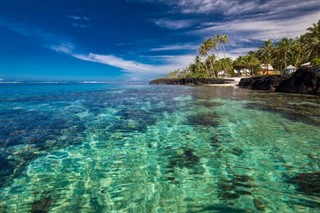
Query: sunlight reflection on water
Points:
[102, 148]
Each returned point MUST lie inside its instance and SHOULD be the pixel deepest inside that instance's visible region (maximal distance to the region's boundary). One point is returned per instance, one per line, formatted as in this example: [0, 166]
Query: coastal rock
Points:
[270, 82]
[190, 81]
[245, 82]
[303, 81]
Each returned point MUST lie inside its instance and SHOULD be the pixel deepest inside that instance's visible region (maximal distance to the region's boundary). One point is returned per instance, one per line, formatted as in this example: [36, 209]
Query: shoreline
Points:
[303, 81]
[234, 83]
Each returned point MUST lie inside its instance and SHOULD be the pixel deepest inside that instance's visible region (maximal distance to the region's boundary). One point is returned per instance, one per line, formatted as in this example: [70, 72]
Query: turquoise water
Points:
[141, 148]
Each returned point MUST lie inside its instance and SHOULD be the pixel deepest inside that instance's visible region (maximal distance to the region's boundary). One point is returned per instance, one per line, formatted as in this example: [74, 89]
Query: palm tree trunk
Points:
[285, 60]
[224, 51]
[297, 59]
[207, 69]
[214, 74]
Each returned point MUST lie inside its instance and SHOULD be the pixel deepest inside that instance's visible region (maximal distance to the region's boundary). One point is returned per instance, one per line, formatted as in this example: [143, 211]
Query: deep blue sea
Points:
[141, 148]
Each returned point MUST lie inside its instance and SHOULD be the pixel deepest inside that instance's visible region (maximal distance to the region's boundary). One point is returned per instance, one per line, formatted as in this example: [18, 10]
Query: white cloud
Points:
[169, 63]
[63, 47]
[80, 25]
[173, 24]
[79, 18]
[262, 29]
[175, 47]
[237, 7]
[235, 53]
[127, 65]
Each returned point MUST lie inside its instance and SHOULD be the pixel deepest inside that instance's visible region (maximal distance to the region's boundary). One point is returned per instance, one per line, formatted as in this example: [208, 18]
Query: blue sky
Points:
[121, 40]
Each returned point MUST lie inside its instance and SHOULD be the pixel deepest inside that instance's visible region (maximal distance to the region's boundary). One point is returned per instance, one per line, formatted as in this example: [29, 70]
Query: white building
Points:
[289, 69]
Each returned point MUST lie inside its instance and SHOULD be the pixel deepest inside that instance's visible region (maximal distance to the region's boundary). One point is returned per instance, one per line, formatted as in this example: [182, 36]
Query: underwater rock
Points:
[237, 151]
[226, 186]
[229, 195]
[41, 206]
[133, 120]
[5, 169]
[34, 131]
[259, 204]
[230, 189]
[243, 192]
[295, 111]
[203, 119]
[308, 183]
[215, 142]
[188, 159]
[241, 178]
[207, 104]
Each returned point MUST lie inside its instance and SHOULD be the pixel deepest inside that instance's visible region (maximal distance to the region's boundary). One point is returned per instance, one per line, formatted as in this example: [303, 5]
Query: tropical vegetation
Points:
[286, 51]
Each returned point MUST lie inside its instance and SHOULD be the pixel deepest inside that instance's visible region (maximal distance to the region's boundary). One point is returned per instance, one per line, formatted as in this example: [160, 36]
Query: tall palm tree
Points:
[203, 51]
[212, 44]
[313, 37]
[297, 49]
[210, 60]
[239, 64]
[227, 65]
[252, 62]
[224, 40]
[282, 50]
[266, 51]
[216, 41]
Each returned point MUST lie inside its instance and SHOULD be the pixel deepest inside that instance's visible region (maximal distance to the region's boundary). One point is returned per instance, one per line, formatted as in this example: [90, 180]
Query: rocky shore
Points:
[190, 81]
[303, 81]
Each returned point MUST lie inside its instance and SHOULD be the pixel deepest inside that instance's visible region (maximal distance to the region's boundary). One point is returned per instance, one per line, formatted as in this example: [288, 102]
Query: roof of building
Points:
[289, 67]
[305, 64]
[266, 67]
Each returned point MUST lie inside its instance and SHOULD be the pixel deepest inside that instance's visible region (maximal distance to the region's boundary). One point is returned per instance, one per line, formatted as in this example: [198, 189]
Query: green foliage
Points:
[279, 54]
[315, 62]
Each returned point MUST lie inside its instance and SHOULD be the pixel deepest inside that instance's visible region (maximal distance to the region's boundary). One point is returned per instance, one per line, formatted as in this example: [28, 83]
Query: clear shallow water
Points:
[140, 148]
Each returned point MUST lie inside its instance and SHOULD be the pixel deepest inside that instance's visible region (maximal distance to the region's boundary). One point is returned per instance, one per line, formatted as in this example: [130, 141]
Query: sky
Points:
[134, 40]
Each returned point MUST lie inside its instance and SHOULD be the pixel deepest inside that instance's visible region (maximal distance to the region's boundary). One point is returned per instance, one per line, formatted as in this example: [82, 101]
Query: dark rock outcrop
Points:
[262, 82]
[303, 81]
[245, 82]
[190, 81]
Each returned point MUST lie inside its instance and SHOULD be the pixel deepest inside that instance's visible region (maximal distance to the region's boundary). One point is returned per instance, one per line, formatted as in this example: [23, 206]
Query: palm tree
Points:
[227, 65]
[210, 60]
[224, 40]
[199, 67]
[215, 44]
[266, 51]
[252, 62]
[211, 44]
[282, 50]
[173, 74]
[203, 51]
[239, 63]
[313, 37]
[297, 48]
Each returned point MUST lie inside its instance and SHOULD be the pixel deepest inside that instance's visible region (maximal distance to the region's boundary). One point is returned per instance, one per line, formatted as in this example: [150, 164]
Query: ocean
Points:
[152, 148]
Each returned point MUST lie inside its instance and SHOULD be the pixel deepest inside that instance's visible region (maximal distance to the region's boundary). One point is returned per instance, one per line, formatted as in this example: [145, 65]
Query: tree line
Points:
[287, 51]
